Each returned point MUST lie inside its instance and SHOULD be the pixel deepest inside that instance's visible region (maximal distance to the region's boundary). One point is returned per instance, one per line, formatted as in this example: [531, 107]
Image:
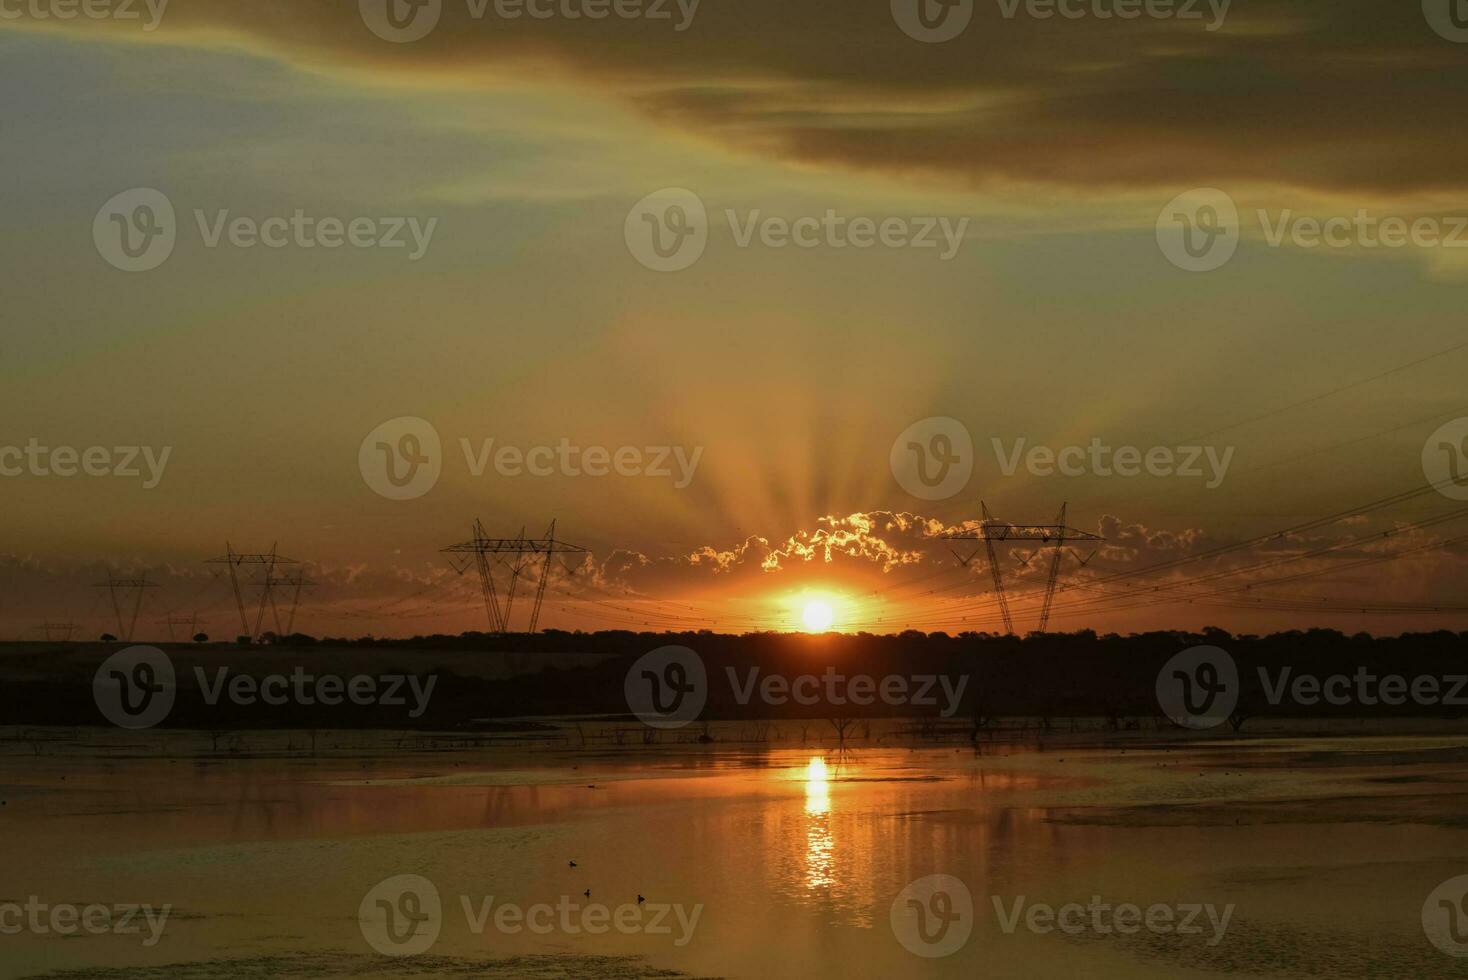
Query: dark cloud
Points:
[1352, 95]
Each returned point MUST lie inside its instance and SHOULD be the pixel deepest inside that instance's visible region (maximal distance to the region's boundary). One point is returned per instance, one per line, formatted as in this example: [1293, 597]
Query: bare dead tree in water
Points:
[978, 709]
[842, 724]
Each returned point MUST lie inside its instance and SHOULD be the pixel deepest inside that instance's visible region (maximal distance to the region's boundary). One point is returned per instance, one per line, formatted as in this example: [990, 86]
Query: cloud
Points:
[896, 566]
[1345, 96]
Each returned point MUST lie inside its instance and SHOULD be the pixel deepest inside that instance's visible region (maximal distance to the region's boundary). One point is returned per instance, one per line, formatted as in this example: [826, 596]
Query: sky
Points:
[1038, 180]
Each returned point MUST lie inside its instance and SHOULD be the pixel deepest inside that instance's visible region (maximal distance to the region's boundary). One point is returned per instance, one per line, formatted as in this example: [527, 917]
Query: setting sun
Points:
[817, 616]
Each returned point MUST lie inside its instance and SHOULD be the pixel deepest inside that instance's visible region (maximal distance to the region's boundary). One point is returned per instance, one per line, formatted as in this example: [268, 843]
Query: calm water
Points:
[789, 855]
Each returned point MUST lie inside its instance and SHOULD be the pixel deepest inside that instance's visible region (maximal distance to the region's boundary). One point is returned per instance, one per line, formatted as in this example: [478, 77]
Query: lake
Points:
[288, 854]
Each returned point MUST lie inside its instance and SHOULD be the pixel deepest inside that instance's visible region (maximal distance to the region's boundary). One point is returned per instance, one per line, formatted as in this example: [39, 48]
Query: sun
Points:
[816, 615]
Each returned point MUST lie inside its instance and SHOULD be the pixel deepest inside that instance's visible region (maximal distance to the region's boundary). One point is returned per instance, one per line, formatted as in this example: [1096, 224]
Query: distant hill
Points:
[477, 676]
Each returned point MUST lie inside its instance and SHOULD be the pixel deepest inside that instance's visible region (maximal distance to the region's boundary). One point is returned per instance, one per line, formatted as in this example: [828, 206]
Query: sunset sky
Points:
[529, 320]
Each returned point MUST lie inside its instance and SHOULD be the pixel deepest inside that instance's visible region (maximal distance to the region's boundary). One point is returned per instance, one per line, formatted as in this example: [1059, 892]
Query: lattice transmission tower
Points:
[118, 589]
[190, 623]
[291, 586]
[517, 554]
[268, 562]
[55, 631]
[991, 529]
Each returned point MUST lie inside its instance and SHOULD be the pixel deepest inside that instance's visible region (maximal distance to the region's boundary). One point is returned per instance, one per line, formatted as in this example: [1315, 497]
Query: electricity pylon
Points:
[516, 553]
[992, 529]
[291, 584]
[268, 563]
[65, 629]
[192, 622]
[115, 585]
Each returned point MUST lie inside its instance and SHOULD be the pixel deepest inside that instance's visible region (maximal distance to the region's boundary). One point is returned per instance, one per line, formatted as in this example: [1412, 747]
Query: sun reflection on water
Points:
[819, 847]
